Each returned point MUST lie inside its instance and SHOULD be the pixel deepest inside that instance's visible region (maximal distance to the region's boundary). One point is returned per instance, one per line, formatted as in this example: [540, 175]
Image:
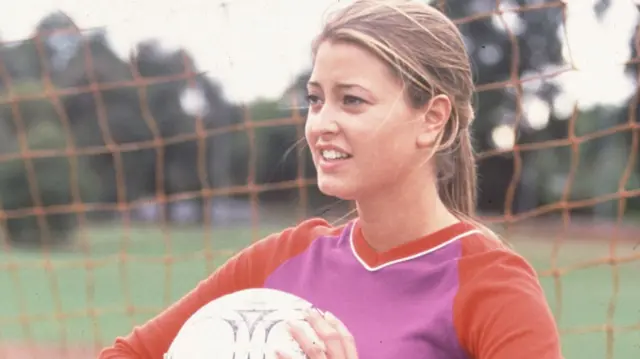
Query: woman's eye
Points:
[313, 99]
[352, 100]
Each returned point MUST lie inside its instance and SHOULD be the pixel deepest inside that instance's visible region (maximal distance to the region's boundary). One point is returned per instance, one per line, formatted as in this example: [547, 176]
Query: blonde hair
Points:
[425, 50]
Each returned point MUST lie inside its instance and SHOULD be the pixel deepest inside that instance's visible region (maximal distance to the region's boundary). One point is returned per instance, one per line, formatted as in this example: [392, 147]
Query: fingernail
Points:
[290, 326]
[330, 317]
[310, 313]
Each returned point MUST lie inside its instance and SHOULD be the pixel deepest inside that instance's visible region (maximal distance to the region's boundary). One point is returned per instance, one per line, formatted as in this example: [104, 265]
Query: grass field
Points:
[136, 273]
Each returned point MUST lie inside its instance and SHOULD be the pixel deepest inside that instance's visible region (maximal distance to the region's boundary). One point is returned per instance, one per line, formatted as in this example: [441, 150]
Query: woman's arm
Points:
[152, 339]
[501, 311]
[248, 269]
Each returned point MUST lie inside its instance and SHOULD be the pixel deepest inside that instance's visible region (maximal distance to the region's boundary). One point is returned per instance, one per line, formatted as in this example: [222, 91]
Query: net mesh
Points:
[70, 303]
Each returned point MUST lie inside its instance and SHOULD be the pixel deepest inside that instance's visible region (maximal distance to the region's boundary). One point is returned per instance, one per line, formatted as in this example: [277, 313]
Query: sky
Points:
[598, 48]
[256, 47]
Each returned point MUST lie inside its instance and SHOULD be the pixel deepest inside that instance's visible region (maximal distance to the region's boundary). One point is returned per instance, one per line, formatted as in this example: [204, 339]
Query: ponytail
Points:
[458, 191]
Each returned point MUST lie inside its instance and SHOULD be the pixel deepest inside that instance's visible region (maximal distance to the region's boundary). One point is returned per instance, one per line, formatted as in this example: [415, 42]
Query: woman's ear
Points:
[435, 114]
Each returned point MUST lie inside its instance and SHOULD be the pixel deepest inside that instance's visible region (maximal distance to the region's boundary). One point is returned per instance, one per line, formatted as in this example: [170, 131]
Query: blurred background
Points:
[143, 143]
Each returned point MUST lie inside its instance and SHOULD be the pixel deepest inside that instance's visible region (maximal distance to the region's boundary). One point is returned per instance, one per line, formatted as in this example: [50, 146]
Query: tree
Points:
[48, 182]
[179, 107]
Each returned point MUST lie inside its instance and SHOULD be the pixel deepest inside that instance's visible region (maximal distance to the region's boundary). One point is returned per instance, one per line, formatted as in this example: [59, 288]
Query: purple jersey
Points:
[451, 294]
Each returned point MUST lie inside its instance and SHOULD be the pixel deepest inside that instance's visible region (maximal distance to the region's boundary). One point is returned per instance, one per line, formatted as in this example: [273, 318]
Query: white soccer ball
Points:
[248, 324]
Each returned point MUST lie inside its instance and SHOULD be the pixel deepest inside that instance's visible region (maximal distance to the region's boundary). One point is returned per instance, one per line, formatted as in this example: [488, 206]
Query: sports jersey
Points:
[452, 294]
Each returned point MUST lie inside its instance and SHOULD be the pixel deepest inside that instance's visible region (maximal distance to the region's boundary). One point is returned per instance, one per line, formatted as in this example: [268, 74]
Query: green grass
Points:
[142, 279]
[586, 294]
[146, 281]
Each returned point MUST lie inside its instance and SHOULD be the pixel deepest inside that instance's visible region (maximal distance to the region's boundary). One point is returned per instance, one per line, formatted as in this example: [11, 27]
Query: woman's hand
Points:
[335, 340]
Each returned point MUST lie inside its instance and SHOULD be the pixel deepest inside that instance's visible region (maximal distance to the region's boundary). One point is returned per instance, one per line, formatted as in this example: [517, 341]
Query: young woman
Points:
[414, 276]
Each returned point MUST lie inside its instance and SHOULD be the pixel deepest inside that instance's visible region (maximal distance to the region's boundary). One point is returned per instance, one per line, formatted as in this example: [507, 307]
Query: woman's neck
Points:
[401, 214]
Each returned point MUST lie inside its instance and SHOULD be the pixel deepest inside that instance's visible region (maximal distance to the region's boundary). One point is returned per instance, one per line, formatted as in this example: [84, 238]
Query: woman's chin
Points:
[336, 188]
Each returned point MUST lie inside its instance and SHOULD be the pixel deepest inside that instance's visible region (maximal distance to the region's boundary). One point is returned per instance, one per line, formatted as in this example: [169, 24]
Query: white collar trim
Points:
[408, 258]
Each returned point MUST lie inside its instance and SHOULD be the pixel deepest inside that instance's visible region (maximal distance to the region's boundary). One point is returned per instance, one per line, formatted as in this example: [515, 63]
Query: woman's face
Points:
[362, 133]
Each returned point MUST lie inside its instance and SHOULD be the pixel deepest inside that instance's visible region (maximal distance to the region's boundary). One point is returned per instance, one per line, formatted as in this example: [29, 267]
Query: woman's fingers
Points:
[348, 342]
[327, 334]
[314, 349]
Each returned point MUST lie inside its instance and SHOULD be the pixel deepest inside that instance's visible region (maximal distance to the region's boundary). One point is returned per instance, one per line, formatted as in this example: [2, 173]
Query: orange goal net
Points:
[125, 180]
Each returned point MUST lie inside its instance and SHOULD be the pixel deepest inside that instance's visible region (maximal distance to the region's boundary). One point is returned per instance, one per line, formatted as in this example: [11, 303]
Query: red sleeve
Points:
[500, 311]
[247, 269]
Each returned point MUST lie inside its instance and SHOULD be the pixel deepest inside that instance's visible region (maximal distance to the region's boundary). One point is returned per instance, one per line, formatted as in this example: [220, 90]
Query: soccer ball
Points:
[248, 324]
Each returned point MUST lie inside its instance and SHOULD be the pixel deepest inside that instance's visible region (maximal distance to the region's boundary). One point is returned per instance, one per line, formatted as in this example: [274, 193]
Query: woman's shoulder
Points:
[486, 258]
[500, 305]
[296, 238]
[315, 227]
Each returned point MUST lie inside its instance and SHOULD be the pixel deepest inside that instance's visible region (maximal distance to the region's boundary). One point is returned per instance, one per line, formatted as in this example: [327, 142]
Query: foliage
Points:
[43, 182]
